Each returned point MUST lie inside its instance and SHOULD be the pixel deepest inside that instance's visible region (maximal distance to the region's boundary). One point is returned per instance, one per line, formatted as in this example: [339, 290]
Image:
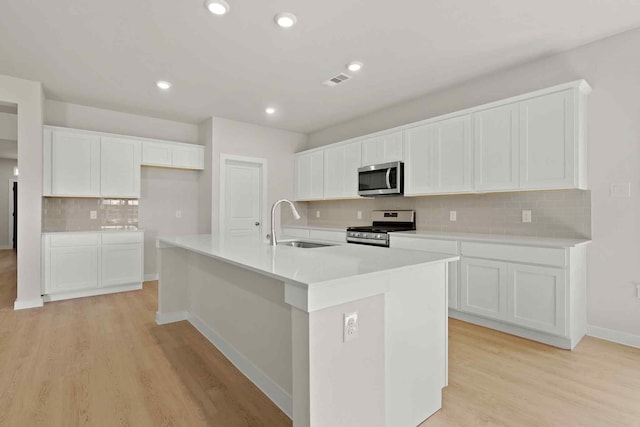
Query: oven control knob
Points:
[378, 236]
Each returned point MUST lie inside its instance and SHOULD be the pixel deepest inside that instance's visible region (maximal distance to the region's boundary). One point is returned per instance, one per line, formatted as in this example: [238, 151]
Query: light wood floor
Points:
[103, 361]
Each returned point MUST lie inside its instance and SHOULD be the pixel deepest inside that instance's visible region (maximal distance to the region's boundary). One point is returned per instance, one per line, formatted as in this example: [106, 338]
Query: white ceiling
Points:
[109, 53]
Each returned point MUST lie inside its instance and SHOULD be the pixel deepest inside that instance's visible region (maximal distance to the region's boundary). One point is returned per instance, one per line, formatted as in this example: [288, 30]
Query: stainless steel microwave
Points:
[385, 179]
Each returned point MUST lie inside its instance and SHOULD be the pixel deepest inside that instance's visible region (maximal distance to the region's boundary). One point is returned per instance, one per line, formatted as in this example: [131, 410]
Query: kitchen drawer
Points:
[73, 239]
[119, 238]
[334, 236]
[427, 245]
[526, 254]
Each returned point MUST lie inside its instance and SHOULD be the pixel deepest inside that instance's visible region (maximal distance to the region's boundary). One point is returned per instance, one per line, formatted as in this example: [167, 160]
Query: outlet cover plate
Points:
[453, 215]
[350, 326]
[526, 216]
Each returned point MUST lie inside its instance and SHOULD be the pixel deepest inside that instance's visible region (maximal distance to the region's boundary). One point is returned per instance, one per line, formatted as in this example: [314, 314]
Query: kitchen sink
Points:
[304, 245]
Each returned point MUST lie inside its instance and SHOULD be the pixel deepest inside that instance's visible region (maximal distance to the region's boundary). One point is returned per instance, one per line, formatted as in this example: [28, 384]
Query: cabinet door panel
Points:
[496, 148]
[185, 156]
[120, 167]
[418, 167]
[75, 164]
[72, 268]
[317, 175]
[547, 141]
[537, 297]
[156, 153]
[334, 165]
[352, 161]
[302, 177]
[484, 288]
[121, 264]
[452, 154]
[382, 149]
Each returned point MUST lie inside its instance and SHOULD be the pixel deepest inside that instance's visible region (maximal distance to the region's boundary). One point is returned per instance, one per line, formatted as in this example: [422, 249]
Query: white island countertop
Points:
[305, 267]
[550, 242]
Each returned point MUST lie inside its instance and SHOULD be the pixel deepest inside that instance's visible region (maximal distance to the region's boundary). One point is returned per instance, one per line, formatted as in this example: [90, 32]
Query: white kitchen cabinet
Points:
[71, 164]
[121, 259]
[497, 148]
[156, 153]
[483, 287]
[309, 175]
[187, 156]
[438, 157]
[382, 149]
[341, 165]
[91, 263]
[452, 155]
[547, 142]
[120, 167]
[537, 298]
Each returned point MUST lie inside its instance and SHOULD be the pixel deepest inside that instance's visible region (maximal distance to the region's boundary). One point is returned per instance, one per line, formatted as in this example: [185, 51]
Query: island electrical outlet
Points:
[350, 323]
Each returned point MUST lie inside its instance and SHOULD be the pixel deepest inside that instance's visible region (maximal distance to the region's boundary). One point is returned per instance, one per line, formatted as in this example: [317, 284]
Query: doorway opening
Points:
[8, 203]
[243, 197]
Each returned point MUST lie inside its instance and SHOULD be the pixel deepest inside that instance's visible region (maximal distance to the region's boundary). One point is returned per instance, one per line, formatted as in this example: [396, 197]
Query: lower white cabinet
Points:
[91, 263]
[537, 292]
[483, 287]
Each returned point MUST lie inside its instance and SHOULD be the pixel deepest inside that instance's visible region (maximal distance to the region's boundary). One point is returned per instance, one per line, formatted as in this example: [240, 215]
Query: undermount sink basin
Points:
[304, 245]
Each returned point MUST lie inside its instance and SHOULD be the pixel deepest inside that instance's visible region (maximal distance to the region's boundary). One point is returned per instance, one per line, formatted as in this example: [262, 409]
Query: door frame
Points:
[10, 216]
[226, 159]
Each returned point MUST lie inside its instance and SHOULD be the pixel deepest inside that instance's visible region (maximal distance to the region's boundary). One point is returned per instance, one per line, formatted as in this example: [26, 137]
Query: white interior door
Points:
[243, 198]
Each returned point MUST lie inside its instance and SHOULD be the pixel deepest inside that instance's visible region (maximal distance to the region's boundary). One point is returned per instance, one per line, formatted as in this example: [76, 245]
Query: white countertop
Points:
[94, 231]
[550, 242]
[306, 267]
[313, 227]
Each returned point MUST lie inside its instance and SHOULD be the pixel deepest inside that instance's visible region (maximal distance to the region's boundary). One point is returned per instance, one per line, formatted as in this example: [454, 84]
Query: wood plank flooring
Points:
[102, 361]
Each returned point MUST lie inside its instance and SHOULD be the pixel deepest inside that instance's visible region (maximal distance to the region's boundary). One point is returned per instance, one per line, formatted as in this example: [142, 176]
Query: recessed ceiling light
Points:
[354, 66]
[270, 110]
[164, 85]
[217, 7]
[286, 20]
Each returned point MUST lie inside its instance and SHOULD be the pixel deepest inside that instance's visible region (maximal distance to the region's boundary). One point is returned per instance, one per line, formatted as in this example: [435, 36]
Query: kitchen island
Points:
[278, 313]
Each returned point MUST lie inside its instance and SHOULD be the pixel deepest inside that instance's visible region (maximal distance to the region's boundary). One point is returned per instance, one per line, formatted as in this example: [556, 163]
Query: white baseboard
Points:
[92, 292]
[624, 338]
[151, 276]
[2, 248]
[24, 304]
[280, 397]
[174, 316]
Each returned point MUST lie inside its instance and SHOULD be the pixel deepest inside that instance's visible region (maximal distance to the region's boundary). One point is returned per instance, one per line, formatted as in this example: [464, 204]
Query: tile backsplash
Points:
[564, 213]
[74, 214]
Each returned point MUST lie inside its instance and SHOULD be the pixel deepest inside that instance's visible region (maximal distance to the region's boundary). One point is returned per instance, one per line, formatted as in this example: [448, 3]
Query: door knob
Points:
[257, 223]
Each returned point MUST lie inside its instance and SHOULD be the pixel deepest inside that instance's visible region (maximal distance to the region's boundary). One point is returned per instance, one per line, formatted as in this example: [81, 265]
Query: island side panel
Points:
[416, 343]
[244, 314]
[300, 367]
[173, 302]
[347, 379]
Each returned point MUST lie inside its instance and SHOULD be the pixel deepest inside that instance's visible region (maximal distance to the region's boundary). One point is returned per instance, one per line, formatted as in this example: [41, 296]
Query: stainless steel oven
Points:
[385, 179]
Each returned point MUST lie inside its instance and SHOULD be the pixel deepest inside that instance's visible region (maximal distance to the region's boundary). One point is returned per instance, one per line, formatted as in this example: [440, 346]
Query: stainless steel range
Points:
[384, 222]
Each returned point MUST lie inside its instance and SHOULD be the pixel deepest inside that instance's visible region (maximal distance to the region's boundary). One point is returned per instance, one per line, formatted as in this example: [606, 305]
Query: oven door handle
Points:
[388, 176]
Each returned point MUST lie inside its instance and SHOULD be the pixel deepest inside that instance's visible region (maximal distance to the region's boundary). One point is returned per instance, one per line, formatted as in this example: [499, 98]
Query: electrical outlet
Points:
[317, 214]
[350, 330]
[622, 189]
[526, 216]
[178, 214]
[93, 214]
[637, 285]
[359, 214]
[453, 215]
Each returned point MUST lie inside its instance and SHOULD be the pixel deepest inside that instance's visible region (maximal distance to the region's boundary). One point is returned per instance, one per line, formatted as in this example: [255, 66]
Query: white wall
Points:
[8, 126]
[6, 174]
[30, 99]
[244, 139]
[162, 191]
[82, 117]
[205, 135]
[612, 67]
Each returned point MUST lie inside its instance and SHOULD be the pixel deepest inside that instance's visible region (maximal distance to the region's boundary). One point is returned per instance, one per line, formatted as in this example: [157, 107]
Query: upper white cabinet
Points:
[120, 167]
[496, 147]
[172, 155]
[548, 153]
[438, 157]
[382, 149]
[71, 164]
[309, 175]
[341, 165]
[80, 163]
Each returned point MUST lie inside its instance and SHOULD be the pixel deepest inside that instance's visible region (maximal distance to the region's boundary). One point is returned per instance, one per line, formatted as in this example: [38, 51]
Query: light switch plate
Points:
[453, 215]
[526, 216]
[93, 214]
[317, 214]
[178, 214]
[359, 214]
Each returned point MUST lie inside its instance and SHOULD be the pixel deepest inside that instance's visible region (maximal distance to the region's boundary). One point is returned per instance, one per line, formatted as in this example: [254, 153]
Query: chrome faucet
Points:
[296, 215]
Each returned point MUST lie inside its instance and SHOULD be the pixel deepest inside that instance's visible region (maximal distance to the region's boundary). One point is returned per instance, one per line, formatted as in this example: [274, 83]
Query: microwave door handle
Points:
[389, 178]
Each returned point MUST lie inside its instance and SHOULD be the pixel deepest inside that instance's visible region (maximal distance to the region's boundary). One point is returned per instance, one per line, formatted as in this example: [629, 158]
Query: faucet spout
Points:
[272, 237]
